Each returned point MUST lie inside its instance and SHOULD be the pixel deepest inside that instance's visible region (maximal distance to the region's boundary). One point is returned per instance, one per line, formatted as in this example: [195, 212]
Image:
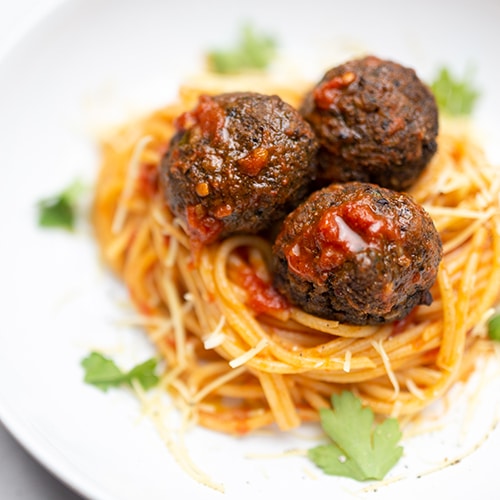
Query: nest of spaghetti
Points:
[238, 356]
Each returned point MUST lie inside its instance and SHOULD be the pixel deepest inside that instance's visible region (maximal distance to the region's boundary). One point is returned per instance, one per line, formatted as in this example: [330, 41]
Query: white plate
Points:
[92, 62]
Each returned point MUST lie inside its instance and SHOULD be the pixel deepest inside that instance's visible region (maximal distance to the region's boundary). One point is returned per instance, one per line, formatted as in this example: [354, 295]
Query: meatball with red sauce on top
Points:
[357, 253]
[238, 162]
[375, 120]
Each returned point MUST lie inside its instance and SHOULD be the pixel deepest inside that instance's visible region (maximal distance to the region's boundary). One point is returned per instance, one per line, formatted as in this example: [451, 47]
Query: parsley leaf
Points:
[358, 449]
[253, 51]
[144, 373]
[494, 327]
[453, 96]
[59, 210]
[103, 373]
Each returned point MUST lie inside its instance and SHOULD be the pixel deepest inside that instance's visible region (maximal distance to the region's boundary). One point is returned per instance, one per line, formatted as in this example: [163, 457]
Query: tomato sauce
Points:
[328, 93]
[203, 227]
[147, 179]
[339, 233]
[262, 296]
[208, 117]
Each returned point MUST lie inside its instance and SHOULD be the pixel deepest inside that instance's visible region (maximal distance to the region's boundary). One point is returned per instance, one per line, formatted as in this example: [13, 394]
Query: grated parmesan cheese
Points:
[387, 365]
[132, 171]
[217, 336]
[208, 388]
[174, 437]
[214, 340]
[347, 361]
[414, 389]
[456, 212]
[248, 355]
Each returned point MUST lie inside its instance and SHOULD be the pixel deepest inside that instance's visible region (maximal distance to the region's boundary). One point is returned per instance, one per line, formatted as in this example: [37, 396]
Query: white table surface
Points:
[22, 477]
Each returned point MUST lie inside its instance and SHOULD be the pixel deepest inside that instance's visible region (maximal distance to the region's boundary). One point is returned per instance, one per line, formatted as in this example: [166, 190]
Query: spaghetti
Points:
[237, 355]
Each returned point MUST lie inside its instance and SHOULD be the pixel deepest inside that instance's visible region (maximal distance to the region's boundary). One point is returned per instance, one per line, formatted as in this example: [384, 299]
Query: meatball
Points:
[375, 121]
[357, 253]
[238, 162]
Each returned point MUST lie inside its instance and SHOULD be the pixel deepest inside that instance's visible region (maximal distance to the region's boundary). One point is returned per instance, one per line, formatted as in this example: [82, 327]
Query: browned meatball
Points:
[375, 121]
[357, 253]
[239, 162]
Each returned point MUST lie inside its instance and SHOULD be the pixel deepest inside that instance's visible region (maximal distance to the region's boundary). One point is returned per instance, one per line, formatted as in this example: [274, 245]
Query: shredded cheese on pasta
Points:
[248, 355]
[281, 368]
[127, 193]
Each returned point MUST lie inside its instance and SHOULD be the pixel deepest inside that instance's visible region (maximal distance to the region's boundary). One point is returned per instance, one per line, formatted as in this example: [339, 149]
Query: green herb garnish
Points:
[454, 96]
[59, 211]
[253, 51]
[103, 373]
[494, 327]
[358, 449]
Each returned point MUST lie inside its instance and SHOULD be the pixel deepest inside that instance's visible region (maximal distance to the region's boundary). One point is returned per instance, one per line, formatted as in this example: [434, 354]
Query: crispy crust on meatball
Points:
[357, 253]
[239, 162]
[375, 120]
